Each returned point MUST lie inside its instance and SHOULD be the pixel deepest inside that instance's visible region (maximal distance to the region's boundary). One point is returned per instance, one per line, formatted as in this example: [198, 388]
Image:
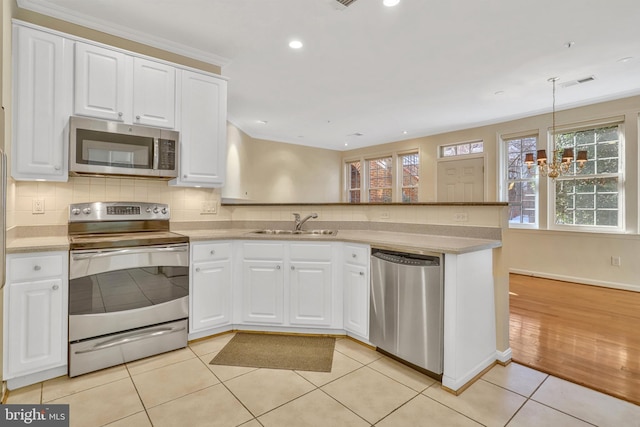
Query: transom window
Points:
[462, 149]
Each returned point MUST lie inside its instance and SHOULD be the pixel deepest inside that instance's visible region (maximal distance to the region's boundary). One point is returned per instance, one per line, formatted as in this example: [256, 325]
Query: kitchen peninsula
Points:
[474, 298]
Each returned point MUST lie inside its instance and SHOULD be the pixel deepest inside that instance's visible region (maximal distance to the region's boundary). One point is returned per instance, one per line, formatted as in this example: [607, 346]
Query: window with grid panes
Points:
[410, 164]
[592, 197]
[521, 182]
[354, 182]
[380, 179]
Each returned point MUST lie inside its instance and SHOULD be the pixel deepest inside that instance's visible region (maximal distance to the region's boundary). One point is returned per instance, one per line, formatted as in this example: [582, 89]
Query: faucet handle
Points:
[296, 216]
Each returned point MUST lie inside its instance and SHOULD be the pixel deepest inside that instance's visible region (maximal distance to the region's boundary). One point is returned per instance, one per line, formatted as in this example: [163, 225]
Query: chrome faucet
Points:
[299, 222]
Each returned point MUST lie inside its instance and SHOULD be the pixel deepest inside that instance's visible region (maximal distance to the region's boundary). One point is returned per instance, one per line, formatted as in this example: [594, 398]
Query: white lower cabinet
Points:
[263, 292]
[35, 315]
[310, 293]
[280, 284]
[210, 295]
[356, 288]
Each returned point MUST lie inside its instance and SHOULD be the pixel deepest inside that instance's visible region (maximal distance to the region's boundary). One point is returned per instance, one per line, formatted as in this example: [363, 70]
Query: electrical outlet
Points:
[460, 217]
[615, 261]
[209, 207]
[37, 206]
[384, 215]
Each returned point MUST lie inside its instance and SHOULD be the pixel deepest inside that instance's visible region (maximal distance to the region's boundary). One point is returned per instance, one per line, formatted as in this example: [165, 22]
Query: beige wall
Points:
[571, 256]
[274, 172]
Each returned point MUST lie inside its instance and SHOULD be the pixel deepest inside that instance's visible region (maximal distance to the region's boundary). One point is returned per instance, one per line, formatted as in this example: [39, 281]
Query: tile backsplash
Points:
[194, 204]
[187, 204]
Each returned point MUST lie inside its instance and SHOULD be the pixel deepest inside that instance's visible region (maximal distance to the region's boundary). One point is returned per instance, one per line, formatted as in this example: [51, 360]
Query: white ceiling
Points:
[423, 67]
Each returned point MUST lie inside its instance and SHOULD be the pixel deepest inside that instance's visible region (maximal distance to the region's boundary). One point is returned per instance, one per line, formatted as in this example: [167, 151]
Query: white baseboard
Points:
[581, 280]
[18, 382]
[457, 383]
[503, 356]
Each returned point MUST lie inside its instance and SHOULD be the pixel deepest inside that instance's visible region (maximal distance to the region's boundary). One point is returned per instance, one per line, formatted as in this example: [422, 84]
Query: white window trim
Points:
[503, 181]
[396, 177]
[551, 189]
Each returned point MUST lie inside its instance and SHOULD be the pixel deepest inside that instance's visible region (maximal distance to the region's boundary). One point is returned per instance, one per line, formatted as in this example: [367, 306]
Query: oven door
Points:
[115, 290]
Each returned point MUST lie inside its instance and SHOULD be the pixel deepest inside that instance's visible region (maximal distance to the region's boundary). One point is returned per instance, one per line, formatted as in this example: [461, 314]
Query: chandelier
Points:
[561, 159]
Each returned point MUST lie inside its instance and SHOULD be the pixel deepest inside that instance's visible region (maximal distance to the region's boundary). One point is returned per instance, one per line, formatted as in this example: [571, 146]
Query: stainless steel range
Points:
[128, 284]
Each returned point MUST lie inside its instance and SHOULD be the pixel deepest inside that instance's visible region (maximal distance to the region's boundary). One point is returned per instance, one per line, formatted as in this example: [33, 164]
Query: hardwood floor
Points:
[585, 334]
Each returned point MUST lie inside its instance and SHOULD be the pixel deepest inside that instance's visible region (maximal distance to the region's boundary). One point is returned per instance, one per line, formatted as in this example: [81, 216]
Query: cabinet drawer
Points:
[358, 255]
[35, 267]
[311, 252]
[263, 251]
[210, 251]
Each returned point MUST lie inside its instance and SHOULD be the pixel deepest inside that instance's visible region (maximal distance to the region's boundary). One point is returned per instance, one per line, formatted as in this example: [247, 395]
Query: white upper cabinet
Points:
[42, 90]
[203, 130]
[154, 93]
[112, 85]
[102, 83]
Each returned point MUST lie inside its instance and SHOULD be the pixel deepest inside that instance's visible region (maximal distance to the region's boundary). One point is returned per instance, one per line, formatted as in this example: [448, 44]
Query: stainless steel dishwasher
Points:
[406, 315]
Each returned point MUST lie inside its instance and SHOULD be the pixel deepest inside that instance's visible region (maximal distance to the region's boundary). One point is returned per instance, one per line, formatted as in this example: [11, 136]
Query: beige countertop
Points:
[405, 242]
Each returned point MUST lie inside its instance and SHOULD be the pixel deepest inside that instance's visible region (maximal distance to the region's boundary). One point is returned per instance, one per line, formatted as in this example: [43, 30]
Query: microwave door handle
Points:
[156, 153]
[106, 253]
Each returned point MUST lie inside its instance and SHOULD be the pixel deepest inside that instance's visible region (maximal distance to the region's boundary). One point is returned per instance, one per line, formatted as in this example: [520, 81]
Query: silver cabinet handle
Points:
[110, 252]
[197, 269]
[137, 117]
[277, 267]
[55, 287]
[132, 337]
[213, 252]
[185, 176]
[120, 114]
[362, 273]
[57, 167]
[354, 256]
[37, 268]
[292, 267]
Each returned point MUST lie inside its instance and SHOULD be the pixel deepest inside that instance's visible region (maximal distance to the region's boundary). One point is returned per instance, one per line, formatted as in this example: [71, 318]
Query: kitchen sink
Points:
[296, 232]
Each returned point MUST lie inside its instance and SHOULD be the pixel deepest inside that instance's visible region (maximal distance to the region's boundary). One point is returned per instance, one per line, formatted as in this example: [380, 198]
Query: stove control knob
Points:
[75, 211]
[165, 210]
[86, 211]
[156, 210]
[148, 210]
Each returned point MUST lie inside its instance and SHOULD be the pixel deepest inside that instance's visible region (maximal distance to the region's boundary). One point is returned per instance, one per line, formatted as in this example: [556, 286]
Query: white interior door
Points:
[461, 180]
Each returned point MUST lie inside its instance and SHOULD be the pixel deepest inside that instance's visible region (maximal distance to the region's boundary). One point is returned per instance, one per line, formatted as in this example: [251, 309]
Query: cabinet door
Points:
[203, 130]
[36, 317]
[356, 300]
[210, 295]
[310, 293]
[102, 83]
[42, 85]
[262, 292]
[154, 93]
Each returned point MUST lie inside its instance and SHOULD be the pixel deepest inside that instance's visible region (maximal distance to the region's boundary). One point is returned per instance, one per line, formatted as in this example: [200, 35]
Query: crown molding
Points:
[93, 23]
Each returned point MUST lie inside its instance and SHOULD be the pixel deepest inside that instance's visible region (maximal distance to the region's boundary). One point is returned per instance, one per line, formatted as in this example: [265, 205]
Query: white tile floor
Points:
[364, 388]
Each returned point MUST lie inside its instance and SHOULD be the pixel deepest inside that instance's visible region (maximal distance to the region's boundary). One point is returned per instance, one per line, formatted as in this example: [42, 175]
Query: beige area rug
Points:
[300, 353]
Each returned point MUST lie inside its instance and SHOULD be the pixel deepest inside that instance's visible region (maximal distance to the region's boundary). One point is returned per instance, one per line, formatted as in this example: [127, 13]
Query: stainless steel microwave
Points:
[100, 147]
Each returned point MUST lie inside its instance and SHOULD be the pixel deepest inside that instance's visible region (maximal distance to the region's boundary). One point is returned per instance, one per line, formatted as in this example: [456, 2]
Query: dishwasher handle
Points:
[416, 260]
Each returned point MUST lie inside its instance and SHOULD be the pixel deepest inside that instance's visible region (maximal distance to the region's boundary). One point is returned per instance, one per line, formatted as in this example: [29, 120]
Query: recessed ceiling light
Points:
[390, 3]
[498, 93]
[262, 122]
[569, 44]
[625, 59]
[295, 44]
[404, 132]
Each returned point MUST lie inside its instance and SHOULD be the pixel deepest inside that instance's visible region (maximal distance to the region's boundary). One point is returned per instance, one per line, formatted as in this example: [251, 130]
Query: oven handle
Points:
[132, 337]
[128, 251]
